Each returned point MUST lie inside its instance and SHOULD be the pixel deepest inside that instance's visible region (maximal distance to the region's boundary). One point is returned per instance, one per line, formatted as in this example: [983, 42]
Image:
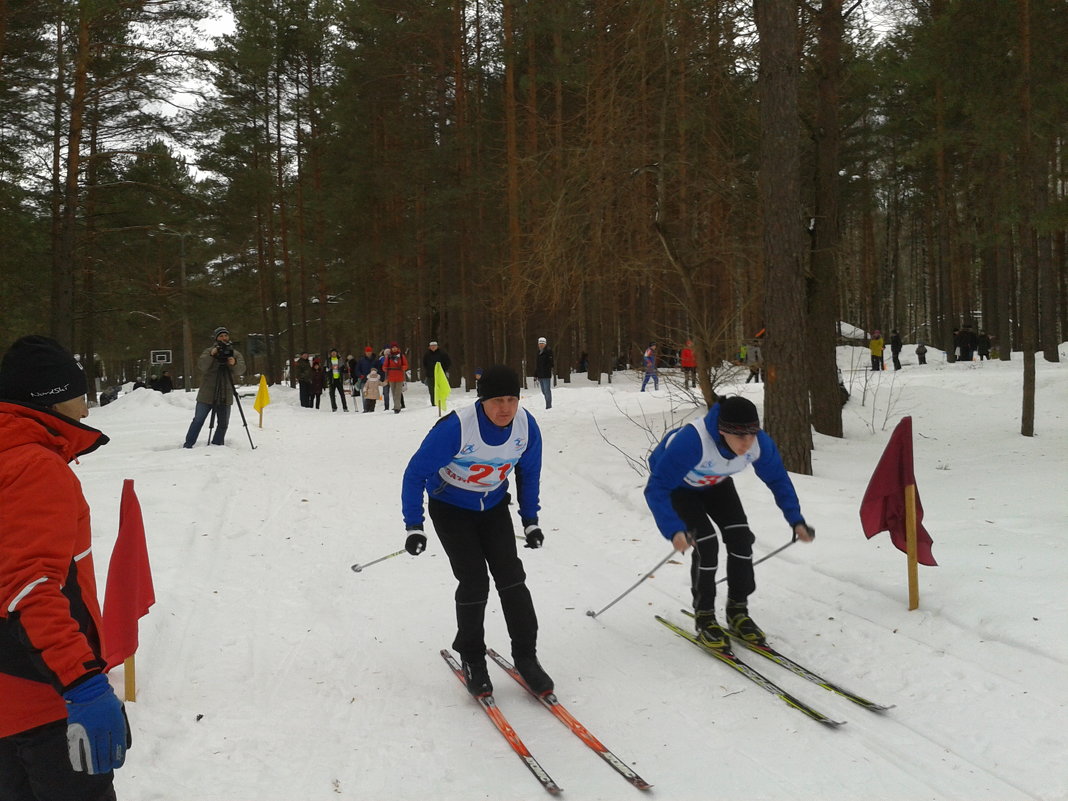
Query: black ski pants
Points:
[699, 510]
[475, 541]
[34, 766]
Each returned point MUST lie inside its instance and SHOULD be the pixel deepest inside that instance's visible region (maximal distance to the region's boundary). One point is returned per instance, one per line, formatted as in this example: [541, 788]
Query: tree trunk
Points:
[823, 285]
[786, 405]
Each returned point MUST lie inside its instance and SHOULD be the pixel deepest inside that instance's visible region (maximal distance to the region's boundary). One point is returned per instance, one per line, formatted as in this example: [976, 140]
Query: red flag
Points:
[883, 507]
[129, 591]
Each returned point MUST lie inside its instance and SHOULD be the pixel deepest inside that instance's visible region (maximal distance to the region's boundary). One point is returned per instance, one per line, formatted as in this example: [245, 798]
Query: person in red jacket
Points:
[62, 729]
[688, 362]
[395, 366]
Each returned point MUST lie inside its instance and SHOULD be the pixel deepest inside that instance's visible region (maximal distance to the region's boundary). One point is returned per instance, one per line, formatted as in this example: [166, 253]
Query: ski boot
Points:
[477, 677]
[710, 634]
[534, 674]
[741, 625]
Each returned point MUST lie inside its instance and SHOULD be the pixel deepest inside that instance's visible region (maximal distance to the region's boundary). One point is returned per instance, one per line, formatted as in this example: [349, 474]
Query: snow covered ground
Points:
[270, 670]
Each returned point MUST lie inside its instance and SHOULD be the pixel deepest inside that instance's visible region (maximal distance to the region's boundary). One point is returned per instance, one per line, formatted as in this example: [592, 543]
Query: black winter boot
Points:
[534, 674]
[741, 625]
[477, 677]
[709, 633]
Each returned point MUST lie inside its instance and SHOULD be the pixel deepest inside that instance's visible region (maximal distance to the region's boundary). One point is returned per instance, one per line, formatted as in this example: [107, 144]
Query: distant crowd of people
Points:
[967, 346]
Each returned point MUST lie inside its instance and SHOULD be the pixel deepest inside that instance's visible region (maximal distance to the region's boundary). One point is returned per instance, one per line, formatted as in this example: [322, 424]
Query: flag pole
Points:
[910, 545]
[129, 672]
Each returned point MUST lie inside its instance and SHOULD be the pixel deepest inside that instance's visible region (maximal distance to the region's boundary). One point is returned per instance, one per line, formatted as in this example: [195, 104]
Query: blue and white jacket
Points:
[696, 456]
[467, 461]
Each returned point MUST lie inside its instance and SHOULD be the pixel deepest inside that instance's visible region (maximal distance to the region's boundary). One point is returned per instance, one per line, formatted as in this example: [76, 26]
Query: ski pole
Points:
[777, 550]
[358, 568]
[659, 564]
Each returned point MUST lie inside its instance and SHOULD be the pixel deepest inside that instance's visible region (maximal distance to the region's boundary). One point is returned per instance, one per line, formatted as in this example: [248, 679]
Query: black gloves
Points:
[533, 533]
[416, 542]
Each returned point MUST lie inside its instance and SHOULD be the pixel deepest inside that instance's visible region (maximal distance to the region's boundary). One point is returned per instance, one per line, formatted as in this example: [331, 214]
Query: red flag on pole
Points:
[129, 591]
[883, 507]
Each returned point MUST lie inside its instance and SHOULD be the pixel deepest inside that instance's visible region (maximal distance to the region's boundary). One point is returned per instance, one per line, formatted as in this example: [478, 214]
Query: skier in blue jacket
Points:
[690, 488]
[464, 465]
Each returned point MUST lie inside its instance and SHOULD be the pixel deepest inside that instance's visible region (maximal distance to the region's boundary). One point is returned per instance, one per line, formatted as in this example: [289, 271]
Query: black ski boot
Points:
[477, 677]
[534, 674]
[709, 633]
[741, 625]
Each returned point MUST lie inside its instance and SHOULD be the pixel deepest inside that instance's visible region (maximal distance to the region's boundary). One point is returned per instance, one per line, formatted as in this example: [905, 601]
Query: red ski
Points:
[487, 703]
[552, 703]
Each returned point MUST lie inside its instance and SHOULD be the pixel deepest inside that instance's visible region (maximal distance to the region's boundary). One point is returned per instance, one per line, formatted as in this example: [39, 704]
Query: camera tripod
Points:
[225, 382]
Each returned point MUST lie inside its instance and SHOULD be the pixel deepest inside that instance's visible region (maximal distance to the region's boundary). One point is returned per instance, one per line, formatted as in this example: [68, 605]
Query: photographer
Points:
[218, 364]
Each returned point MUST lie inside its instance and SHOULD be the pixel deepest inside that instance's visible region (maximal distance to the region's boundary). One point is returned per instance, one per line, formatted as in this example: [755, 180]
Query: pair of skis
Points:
[773, 655]
[552, 703]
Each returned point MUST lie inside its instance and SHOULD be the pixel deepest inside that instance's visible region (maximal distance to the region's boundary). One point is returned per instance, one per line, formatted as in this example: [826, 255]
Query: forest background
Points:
[605, 173]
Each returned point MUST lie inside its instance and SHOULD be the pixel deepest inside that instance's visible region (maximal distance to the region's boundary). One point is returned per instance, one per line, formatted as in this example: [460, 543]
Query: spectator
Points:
[689, 365]
[317, 383]
[543, 371]
[434, 355]
[984, 346]
[351, 364]
[895, 348]
[371, 389]
[335, 379]
[164, 383]
[968, 343]
[303, 369]
[217, 364]
[754, 359]
[921, 353]
[363, 369]
[396, 366]
[876, 346]
[649, 366]
[63, 732]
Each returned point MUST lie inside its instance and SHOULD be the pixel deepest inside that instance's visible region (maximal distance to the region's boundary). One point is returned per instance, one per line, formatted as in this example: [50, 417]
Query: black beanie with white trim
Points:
[37, 369]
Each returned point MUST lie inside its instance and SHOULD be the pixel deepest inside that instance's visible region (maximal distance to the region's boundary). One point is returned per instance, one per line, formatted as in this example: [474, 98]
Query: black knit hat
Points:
[39, 370]
[498, 381]
[738, 415]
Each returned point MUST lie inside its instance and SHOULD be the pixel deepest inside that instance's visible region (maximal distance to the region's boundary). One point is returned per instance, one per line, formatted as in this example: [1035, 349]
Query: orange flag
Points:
[883, 507]
[129, 591]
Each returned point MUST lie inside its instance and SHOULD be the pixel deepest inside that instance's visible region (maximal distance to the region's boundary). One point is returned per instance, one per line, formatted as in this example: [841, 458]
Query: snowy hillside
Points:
[269, 670]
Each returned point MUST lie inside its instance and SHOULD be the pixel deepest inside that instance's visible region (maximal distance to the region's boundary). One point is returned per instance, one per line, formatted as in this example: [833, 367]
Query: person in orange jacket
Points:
[688, 362]
[62, 729]
[395, 366]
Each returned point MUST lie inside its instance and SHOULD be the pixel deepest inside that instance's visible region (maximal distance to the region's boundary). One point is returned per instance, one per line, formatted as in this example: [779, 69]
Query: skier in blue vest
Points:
[690, 488]
[464, 465]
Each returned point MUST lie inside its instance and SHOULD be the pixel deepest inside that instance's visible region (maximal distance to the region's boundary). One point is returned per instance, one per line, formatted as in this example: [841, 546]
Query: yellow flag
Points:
[263, 397]
[441, 388]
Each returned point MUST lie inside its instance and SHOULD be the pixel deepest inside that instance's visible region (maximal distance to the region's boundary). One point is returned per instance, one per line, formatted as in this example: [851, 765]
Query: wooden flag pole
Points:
[261, 418]
[130, 678]
[910, 544]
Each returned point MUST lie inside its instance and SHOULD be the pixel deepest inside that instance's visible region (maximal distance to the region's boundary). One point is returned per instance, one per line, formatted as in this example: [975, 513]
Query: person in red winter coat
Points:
[395, 366]
[688, 362]
[62, 729]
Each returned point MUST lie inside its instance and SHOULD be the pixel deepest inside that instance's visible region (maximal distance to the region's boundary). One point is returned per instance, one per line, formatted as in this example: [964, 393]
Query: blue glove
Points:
[415, 544]
[97, 732]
